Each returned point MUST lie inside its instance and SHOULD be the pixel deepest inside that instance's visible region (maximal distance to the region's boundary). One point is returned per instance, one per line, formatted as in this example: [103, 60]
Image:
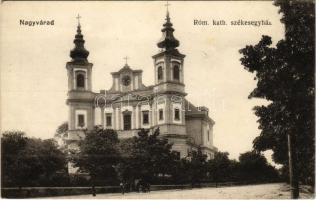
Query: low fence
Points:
[31, 192]
[227, 184]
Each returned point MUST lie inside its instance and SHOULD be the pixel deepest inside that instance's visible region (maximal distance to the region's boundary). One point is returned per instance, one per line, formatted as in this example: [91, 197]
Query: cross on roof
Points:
[125, 58]
[78, 18]
[167, 5]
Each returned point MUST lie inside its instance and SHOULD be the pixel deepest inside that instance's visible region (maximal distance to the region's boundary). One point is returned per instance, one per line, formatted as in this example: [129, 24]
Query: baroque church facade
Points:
[129, 105]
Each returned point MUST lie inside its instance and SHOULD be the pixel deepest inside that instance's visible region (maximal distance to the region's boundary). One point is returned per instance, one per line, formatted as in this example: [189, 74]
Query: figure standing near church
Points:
[122, 187]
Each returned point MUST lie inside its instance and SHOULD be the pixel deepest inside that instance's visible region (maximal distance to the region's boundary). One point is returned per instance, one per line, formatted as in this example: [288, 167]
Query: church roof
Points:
[168, 40]
[79, 53]
[126, 68]
[196, 112]
[172, 52]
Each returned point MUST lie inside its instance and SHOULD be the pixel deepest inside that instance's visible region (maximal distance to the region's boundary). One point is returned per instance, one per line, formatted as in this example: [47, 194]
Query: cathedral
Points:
[129, 105]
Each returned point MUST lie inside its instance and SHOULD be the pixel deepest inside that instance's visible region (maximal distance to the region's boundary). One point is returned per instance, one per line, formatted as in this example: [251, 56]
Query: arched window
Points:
[176, 72]
[160, 73]
[80, 80]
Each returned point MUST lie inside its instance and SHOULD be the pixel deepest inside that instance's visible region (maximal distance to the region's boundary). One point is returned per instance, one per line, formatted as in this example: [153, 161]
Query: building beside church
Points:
[128, 105]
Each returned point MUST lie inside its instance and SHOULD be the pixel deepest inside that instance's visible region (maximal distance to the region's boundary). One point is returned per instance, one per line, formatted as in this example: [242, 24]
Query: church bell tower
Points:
[169, 88]
[80, 96]
[169, 62]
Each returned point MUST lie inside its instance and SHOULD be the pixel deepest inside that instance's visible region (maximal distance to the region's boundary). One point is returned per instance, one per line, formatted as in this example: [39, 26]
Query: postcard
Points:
[157, 99]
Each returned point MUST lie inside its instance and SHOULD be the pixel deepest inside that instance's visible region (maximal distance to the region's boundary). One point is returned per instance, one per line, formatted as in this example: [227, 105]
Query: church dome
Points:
[79, 53]
[168, 41]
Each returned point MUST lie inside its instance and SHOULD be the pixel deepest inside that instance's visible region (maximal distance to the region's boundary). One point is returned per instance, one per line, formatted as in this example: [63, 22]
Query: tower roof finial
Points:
[167, 5]
[78, 18]
[126, 58]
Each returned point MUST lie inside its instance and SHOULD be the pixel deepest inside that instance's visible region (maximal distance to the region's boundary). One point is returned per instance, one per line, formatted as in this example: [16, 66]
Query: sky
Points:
[33, 58]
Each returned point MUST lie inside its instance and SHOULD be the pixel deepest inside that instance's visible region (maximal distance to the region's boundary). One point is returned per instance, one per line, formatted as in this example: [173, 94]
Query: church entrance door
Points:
[127, 121]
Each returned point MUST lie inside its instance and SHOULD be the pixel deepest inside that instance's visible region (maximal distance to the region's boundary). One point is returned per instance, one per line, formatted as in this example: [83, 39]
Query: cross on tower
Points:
[167, 5]
[125, 58]
[78, 18]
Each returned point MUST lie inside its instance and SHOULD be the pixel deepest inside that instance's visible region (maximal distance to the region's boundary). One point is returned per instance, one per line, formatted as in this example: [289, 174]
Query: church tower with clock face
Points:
[126, 80]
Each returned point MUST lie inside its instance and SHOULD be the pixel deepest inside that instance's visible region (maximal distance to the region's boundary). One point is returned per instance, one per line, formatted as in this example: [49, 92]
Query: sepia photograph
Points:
[157, 99]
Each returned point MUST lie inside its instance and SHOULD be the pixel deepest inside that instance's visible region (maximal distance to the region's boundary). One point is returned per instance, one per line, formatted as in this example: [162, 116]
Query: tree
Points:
[61, 135]
[62, 129]
[125, 168]
[221, 167]
[285, 76]
[30, 161]
[197, 166]
[254, 167]
[12, 143]
[180, 171]
[44, 160]
[145, 157]
[98, 154]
